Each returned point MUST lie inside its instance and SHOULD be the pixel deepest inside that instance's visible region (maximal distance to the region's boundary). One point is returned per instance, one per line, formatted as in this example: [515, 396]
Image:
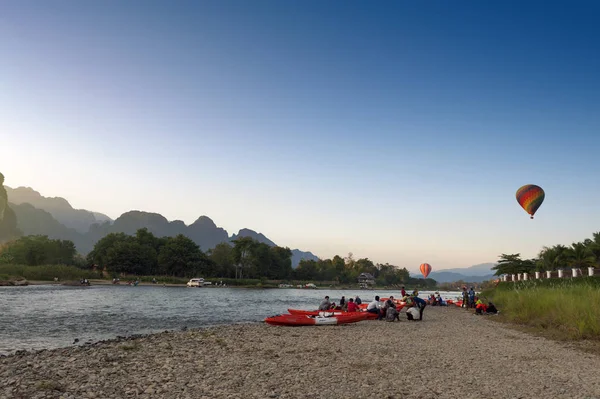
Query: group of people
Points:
[471, 301]
[384, 309]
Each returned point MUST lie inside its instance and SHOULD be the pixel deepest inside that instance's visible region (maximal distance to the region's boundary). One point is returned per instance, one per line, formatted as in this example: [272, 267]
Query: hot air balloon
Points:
[425, 269]
[530, 197]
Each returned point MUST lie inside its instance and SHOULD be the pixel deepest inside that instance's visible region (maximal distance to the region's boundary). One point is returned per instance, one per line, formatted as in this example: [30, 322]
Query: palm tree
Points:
[551, 258]
[579, 255]
[594, 246]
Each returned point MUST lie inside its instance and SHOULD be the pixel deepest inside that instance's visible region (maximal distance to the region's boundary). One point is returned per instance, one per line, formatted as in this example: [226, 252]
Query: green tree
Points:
[242, 254]
[513, 264]
[579, 255]
[182, 257]
[222, 256]
[129, 256]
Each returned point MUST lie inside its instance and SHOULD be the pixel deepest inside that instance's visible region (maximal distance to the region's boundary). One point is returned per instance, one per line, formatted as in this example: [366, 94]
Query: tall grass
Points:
[47, 272]
[571, 310]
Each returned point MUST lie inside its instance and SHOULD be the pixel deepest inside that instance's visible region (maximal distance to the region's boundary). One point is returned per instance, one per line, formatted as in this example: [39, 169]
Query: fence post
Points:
[537, 275]
[560, 273]
[574, 272]
[590, 271]
[514, 277]
[525, 276]
[548, 274]
[505, 277]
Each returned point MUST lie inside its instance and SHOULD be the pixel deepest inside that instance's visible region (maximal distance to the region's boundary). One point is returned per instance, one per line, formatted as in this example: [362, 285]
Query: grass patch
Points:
[563, 309]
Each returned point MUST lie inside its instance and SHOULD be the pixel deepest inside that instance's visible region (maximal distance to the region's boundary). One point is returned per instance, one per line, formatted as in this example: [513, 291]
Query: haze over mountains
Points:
[473, 274]
[56, 218]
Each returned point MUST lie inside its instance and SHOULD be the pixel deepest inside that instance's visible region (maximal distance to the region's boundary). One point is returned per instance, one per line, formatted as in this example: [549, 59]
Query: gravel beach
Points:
[451, 354]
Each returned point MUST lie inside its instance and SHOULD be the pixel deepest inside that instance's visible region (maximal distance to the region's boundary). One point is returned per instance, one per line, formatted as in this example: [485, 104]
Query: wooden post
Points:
[590, 271]
[560, 273]
[548, 274]
[537, 275]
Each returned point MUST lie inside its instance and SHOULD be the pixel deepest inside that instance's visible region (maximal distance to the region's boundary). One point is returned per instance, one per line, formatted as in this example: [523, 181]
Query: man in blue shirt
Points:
[420, 304]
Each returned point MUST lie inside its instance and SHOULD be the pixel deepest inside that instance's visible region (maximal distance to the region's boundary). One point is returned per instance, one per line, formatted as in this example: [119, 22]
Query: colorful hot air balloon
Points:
[530, 197]
[425, 269]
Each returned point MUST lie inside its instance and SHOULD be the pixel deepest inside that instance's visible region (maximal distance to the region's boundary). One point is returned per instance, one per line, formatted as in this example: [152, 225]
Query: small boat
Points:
[328, 313]
[306, 320]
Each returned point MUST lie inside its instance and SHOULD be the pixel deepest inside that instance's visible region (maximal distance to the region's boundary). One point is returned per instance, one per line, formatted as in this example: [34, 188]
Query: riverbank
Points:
[567, 309]
[364, 360]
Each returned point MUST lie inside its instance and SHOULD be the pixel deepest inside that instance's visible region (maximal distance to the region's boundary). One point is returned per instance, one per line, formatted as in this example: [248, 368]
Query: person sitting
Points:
[480, 307]
[357, 300]
[392, 314]
[412, 314]
[373, 307]
[491, 309]
[352, 307]
[325, 305]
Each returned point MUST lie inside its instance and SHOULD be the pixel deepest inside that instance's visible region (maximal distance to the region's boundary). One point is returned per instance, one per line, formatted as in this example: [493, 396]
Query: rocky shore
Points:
[451, 354]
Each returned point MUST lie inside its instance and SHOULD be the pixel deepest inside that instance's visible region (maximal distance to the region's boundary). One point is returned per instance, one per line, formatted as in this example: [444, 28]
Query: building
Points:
[365, 279]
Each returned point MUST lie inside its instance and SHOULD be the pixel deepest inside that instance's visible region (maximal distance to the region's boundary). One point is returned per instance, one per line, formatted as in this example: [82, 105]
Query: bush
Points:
[571, 307]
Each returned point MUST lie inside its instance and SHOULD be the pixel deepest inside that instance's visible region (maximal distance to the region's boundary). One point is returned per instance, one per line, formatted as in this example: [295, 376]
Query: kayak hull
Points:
[307, 320]
[369, 316]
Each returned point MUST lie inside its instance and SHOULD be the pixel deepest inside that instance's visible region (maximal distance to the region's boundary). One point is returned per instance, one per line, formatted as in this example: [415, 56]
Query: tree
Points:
[513, 264]
[38, 250]
[222, 256]
[242, 254]
[579, 255]
[129, 256]
[182, 257]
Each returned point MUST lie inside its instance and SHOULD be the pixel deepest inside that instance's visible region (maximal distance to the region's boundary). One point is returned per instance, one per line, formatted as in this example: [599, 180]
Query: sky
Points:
[398, 131]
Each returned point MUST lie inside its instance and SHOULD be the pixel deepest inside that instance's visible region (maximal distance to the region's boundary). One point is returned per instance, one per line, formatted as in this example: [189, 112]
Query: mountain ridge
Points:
[85, 228]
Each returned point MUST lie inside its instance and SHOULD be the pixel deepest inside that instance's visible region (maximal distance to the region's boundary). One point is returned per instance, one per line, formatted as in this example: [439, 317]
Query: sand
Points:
[450, 354]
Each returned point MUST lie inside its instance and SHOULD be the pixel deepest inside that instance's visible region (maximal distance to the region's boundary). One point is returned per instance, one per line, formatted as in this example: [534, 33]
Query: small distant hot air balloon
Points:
[530, 197]
[425, 269]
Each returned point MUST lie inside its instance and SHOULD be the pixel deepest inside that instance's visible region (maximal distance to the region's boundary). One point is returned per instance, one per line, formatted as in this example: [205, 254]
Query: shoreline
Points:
[370, 359]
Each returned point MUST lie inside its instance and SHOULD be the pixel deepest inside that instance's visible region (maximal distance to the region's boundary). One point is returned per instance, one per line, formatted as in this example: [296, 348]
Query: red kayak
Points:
[306, 320]
[328, 313]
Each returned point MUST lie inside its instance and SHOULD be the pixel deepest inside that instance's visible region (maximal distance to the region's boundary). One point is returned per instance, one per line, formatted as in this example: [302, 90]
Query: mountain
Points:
[449, 277]
[55, 217]
[472, 274]
[59, 208]
[297, 255]
[254, 235]
[483, 269]
[33, 221]
[8, 219]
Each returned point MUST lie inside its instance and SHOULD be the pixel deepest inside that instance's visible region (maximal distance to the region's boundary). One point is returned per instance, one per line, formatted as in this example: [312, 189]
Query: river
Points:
[50, 316]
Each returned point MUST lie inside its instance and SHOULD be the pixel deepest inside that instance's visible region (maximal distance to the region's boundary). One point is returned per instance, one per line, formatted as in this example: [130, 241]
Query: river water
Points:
[48, 316]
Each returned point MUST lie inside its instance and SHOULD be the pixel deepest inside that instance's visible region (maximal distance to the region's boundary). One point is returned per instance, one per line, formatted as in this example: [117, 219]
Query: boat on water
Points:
[319, 320]
[196, 282]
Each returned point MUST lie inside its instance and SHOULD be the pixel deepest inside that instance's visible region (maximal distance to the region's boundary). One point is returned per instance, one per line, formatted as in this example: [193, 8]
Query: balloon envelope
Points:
[530, 197]
[425, 269]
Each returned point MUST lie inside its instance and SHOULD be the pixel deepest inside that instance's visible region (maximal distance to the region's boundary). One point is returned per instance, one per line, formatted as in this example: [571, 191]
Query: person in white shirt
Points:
[373, 307]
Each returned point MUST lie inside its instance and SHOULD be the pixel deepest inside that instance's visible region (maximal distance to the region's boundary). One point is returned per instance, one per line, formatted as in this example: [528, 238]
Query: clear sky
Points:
[399, 131]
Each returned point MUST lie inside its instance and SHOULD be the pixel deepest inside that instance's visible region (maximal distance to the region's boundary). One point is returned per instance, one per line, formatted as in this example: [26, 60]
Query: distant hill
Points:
[483, 269]
[59, 208]
[8, 219]
[56, 218]
[297, 255]
[472, 274]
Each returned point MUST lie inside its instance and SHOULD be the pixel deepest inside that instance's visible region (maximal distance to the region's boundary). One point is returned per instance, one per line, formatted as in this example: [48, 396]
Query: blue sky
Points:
[398, 131]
